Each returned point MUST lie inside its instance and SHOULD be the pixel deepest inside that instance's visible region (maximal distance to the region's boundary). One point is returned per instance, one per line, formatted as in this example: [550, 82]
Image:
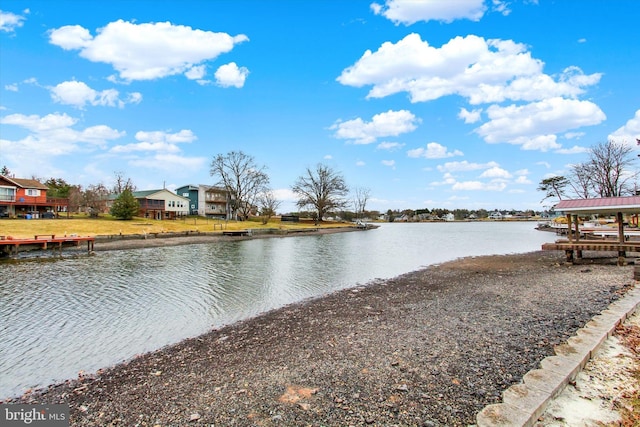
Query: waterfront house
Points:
[158, 204]
[27, 198]
[207, 200]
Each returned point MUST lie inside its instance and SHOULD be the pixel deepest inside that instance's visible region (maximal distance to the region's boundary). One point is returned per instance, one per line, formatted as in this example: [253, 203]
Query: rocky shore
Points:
[428, 348]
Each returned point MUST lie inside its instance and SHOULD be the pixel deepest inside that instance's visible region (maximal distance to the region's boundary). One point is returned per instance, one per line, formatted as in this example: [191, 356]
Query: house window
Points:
[32, 192]
[7, 194]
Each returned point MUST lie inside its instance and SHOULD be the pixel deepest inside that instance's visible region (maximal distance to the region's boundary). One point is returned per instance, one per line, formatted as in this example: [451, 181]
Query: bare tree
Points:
[360, 198]
[607, 173]
[239, 174]
[581, 180]
[95, 199]
[268, 205]
[609, 164]
[323, 189]
[122, 183]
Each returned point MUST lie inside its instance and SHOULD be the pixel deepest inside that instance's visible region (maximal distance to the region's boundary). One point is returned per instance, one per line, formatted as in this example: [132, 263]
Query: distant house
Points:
[158, 204]
[496, 215]
[449, 217]
[207, 200]
[27, 198]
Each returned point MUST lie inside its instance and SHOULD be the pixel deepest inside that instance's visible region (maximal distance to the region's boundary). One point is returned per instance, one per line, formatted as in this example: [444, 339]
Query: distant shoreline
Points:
[129, 241]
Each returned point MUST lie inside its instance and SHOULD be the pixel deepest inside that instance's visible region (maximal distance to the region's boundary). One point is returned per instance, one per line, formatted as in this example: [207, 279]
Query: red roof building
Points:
[27, 198]
[604, 205]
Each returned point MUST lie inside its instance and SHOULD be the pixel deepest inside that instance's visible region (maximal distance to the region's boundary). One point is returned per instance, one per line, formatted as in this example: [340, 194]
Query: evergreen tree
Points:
[125, 206]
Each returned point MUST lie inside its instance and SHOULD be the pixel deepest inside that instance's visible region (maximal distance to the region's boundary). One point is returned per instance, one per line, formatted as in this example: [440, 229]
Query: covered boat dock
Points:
[603, 239]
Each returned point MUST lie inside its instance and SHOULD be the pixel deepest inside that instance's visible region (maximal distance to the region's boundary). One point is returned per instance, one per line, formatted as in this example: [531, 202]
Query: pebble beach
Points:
[428, 348]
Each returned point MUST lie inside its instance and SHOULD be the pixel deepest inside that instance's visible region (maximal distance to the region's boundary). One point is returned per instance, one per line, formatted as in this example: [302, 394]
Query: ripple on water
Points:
[60, 316]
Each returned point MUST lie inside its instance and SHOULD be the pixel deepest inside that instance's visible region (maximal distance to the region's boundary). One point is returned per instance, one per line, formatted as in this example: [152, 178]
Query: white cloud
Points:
[78, 94]
[157, 141]
[501, 7]
[173, 163]
[480, 70]
[10, 21]
[11, 87]
[469, 117]
[408, 12]
[196, 73]
[391, 123]
[574, 135]
[51, 136]
[464, 166]
[231, 75]
[522, 180]
[573, 150]
[146, 146]
[545, 164]
[328, 157]
[390, 146]
[533, 126]
[496, 172]
[360, 163]
[434, 151]
[447, 179]
[146, 51]
[479, 186]
[390, 163]
[630, 132]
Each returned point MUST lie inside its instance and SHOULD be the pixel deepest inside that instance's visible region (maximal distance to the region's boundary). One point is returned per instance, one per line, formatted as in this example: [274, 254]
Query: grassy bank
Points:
[106, 225]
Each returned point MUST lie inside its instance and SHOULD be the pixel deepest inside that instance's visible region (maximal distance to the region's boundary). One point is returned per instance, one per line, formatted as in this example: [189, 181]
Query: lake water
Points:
[62, 316]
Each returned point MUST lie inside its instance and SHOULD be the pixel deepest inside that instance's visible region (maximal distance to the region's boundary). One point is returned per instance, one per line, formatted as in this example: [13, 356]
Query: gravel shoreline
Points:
[428, 348]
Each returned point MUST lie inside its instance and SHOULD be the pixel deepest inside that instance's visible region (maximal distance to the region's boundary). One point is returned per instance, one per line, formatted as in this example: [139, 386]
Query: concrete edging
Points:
[523, 403]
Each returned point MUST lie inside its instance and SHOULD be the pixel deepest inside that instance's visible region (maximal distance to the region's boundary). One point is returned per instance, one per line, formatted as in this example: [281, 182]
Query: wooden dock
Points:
[11, 246]
[237, 233]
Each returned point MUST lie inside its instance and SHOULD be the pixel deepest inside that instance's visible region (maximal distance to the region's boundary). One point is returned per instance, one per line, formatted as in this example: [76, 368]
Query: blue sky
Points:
[429, 104]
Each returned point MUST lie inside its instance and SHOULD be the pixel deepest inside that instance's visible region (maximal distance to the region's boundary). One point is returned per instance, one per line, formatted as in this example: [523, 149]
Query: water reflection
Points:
[60, 317]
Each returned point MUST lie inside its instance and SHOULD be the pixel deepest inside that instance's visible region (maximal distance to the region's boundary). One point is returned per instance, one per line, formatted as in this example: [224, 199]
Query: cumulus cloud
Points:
[533, 126]
[389, 146]
[630, 132]
[10, 21]
[231, 75]
[146, 51]
[480, 70]
[391, 123]
[576, 149]
[479, 185]
[464, 166]
[160, 150]
[171, 163]
[434, 151]
[51, 136]
[496, 172]
[408, 12]
[390, 163]
[472, 116]
[78, 95]
[157, 141]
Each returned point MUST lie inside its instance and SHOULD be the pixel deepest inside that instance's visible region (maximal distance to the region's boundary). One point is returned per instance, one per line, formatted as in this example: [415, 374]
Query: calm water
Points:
[61, 316]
